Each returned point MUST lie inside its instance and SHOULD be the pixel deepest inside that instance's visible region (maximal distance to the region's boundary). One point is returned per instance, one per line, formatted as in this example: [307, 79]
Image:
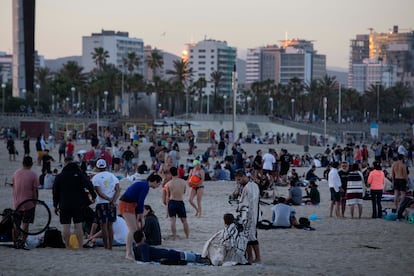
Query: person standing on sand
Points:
[175, 192]
[107, 187]
[196, 180]
[355, 189]
[131, 207]
[334, 182]
[399, 179]
[249, 210]
[25, 186]
[376, 180]
[69, 198]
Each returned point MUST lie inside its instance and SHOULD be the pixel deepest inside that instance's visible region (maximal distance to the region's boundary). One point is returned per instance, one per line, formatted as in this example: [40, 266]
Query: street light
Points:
[38, 96]
[293, 108]
[73, 89]
[106, 100]
[3, 88]
[271, 105]
[378, 107]
[325, 106]
[67, 104]
[224, 98]
[248, 104]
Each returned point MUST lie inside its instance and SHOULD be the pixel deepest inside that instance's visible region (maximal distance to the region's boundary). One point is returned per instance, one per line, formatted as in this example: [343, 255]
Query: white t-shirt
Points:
[281, 214]
[120, 229]
[106, 182]
[268, 161]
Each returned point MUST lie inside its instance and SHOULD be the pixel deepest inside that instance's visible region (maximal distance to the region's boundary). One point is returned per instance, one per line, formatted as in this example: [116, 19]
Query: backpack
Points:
[6, 226]
[53, 238]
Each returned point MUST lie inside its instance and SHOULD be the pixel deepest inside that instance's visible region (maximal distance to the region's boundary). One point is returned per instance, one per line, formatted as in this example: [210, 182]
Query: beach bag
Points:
[53, 238]
[194, 181]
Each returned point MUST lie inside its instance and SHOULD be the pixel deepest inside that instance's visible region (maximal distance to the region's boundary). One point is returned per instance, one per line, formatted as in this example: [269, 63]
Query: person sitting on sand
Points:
[146, 253]
[313, 194]
[227, 246]
[283, 215]
[152, 228]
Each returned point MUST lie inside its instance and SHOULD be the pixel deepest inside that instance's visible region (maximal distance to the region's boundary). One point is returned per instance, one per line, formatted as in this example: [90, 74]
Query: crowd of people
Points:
[75, 188]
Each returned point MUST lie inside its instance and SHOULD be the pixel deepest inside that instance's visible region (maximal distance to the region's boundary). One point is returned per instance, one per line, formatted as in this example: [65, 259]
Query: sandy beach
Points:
[337, 247]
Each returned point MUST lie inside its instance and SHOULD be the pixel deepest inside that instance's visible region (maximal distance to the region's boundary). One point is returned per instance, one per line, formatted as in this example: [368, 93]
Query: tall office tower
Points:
[23, 46]
[208, 56]
[299, 59]
[253, 59]
[385, 58]
[117, 44]
[270, 63]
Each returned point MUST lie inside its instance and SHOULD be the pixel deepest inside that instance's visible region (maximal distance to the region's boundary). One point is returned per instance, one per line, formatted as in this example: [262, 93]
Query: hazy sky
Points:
[60, 24]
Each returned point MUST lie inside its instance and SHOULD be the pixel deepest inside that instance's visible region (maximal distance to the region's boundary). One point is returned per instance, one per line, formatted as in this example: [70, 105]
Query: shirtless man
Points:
[399, 178]
[165, 174]
[175, 190]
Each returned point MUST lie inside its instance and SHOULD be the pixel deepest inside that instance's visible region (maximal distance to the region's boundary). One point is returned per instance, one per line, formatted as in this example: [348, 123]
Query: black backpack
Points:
[53, 238]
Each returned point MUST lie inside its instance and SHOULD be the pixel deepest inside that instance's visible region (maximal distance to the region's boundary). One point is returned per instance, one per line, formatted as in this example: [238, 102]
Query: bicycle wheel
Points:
[36, 213]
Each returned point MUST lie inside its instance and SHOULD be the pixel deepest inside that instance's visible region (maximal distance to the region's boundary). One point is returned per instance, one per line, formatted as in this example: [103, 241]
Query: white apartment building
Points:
[253, 58]
[208, 56]
[117, 44]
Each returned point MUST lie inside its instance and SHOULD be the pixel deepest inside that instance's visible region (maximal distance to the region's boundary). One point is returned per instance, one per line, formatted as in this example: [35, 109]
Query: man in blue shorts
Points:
[176, 188]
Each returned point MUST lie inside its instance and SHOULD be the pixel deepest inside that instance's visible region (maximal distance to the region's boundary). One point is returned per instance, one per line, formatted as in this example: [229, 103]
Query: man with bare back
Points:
[176, 188]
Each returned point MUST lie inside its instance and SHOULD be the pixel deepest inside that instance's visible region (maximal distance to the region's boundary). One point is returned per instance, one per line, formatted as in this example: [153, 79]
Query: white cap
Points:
[101, 164]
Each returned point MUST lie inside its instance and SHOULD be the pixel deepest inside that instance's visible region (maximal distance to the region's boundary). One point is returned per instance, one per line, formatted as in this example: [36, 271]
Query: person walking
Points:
[25, 186]
[131, 207]
[69, 197]
[107, 187]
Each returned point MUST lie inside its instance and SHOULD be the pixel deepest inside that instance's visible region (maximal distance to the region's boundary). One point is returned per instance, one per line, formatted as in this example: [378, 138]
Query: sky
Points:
[169, 25]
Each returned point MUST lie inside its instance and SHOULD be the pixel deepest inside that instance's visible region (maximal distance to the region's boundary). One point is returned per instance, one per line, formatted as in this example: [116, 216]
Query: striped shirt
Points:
[355, 185]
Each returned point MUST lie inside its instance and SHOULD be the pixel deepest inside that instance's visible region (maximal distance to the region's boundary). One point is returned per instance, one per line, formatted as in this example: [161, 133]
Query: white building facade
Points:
[117, 44]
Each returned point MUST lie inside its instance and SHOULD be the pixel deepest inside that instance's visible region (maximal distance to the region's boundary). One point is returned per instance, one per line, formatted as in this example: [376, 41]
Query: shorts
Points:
[116, 160]
[66, 216]
[400, 184]
[176, 208]
[335, 196]
[105, 212]
[126, 207]
[198, 187]
[267, 172]
[28, 215]
[354, 201]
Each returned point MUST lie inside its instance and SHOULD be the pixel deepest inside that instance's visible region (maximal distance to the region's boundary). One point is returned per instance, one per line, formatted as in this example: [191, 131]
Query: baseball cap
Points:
[196, 162]
[101, 164]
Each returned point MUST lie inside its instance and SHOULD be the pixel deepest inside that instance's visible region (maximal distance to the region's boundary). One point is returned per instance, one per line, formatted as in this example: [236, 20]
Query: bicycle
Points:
[32, 211]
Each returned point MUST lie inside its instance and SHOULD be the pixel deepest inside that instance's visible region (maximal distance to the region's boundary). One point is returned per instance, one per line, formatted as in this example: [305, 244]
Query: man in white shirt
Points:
[269, 161]
[334, 182]
[107, 187]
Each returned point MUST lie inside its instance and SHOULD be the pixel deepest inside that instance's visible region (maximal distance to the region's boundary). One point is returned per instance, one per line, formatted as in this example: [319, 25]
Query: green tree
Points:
[100, 56]
[180, 78]
[216, 78]
[155, 61]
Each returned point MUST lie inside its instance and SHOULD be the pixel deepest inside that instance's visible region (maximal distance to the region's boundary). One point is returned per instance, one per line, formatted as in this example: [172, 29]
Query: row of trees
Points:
[179, 92]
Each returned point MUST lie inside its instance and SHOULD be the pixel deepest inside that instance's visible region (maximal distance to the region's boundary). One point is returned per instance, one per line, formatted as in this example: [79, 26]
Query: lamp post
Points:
[73, 89]
[224, 103]
[293, 108]
[3, 88]
[67, 104]
[106, 101]
[378, 107]
[325, 106]
[271, 105]
[249, 99]
[38, 96]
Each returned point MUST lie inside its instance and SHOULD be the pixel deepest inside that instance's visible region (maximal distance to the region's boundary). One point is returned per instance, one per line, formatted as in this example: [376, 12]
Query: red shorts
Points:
[126, 207]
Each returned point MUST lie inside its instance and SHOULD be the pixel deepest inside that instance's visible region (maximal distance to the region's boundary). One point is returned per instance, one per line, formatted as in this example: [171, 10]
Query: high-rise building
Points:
[23, 46]
[381, 58]
[208, 56]
[295, 58]
[117, 44]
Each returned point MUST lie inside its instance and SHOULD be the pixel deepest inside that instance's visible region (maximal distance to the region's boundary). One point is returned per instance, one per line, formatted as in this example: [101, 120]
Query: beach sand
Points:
[337, 247]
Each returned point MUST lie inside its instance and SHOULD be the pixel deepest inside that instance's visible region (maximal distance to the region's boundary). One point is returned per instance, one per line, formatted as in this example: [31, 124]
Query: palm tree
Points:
[43, 76]
[216, 78]
[199, 85]
[155, 61]
[132, 62]
[100, 55]
[181, 75]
